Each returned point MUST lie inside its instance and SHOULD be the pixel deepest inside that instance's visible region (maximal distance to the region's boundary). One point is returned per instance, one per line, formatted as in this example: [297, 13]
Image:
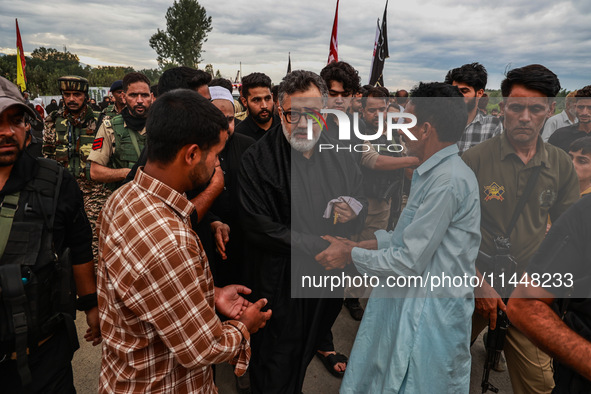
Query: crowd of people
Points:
[221, 207]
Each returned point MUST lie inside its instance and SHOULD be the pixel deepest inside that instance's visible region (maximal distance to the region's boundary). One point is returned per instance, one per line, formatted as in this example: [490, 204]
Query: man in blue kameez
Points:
[413, 338]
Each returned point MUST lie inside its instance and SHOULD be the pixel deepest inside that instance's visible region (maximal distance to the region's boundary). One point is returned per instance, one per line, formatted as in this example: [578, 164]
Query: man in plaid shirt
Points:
[157, 301]
[471, 80]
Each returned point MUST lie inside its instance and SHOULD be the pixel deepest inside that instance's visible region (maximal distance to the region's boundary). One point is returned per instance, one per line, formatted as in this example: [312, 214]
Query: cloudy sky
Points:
[426, 37]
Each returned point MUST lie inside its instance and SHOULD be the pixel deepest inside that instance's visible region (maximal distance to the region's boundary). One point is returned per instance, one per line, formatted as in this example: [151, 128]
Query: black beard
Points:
[261, 120]
[18, 154]
[136, 115]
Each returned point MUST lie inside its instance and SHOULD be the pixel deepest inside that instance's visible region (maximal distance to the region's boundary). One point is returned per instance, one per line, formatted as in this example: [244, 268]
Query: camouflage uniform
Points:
[68, 138]
[117, 146]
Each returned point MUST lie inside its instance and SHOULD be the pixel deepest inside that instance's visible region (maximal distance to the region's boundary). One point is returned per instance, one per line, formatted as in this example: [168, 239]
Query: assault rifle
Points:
[502, 263]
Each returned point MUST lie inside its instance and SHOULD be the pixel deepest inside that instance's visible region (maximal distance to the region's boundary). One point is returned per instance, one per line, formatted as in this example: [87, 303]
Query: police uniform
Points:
[116, 145]
[50, 354]
[502, 177]
[67, 138]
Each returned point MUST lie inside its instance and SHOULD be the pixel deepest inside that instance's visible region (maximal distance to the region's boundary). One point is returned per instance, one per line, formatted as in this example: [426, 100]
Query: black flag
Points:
[289, 63]
[380, 52]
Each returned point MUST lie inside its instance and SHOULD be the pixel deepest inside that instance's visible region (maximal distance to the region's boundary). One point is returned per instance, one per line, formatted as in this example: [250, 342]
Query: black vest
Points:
[38, 290]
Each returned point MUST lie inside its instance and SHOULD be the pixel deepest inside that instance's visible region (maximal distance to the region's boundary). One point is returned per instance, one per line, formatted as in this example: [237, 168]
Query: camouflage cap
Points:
[73, 82]
[10, 95]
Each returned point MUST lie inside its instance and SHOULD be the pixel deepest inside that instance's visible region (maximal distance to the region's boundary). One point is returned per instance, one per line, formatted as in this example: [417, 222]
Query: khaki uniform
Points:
[502, 177]
[68, 139]
[115, 145]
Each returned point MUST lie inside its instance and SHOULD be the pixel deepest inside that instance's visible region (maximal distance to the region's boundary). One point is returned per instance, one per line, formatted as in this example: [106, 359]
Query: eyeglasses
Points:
[294, 117]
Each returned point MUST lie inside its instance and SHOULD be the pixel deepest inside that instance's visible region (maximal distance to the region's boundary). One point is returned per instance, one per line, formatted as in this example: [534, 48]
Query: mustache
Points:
[8, 141]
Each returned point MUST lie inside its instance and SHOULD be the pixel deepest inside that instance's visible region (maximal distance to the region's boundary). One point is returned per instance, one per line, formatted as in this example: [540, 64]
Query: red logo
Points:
[97, 144]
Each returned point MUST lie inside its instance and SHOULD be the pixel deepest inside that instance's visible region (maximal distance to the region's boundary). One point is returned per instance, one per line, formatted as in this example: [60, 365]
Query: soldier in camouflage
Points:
[120, 139]
[69, 131]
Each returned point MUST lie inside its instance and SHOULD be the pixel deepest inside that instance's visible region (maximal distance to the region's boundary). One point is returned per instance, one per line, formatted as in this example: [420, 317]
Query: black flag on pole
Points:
[380, 52]
[289, 63]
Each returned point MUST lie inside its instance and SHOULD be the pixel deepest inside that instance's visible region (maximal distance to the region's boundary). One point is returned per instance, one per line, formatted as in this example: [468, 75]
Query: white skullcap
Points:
[220, 93]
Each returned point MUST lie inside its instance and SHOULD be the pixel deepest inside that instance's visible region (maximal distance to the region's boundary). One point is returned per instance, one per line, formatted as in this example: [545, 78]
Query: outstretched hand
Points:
[253, 318]
[337, 255]
[229, 302]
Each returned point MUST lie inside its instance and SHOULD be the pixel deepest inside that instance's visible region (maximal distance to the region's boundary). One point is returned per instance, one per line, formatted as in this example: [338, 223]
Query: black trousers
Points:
[283, 349]
[50, 366]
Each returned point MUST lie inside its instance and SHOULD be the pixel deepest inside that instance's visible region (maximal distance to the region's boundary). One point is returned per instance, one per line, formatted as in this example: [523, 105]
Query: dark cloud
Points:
[426, 38]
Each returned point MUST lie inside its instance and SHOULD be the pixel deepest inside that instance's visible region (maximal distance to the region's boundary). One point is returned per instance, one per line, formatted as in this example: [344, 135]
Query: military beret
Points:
[117, 85]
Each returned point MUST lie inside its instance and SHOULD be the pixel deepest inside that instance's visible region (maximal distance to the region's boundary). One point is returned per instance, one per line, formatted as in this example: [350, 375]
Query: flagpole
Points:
[333, 51]
[288, 63]
[21, 78]
[381, 52]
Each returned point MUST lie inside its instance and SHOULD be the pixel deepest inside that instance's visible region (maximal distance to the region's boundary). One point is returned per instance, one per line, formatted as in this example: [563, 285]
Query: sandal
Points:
[331, 360]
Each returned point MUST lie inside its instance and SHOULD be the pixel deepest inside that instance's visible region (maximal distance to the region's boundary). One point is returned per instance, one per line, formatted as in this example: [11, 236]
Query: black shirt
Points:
[565, 136]
[566, 253]
[249, 128]
[71, 227]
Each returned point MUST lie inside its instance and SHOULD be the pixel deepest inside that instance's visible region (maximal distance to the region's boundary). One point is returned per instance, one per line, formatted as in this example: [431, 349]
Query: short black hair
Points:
[223, 82]
[473, 75]
[533, 77]
[254, 80]
[448, 116]
[134, 77]
[179, 118]
[275, 93]
[377, 92]
[584, 92]
[154, 90]
[344, 73]
[182, 77]
[582, 144]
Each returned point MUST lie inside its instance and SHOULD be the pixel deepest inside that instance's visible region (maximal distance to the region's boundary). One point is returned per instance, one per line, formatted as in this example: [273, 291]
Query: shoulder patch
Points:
[107, 121]
[494, 191]
[97, 144]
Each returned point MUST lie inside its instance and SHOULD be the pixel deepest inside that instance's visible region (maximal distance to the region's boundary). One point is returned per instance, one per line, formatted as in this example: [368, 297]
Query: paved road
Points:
[318, 381]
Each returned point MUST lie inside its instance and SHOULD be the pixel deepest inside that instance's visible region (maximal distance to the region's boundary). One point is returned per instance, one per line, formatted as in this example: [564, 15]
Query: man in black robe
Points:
[286, 183]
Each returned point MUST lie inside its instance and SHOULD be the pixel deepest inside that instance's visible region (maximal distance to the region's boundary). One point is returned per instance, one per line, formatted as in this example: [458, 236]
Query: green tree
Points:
[187, 25]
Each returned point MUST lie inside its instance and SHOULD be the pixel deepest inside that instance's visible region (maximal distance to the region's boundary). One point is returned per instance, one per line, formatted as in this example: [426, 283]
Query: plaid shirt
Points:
[480, 129]
[156, 297]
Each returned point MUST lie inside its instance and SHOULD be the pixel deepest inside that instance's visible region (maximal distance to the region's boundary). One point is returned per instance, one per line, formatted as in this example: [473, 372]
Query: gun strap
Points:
[529, 187]
[133, 136]
[8, 209]
[15, 300]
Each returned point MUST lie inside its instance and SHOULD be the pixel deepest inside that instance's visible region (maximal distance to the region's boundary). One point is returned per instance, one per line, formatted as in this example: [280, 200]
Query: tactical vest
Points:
[74, 144]
[382, 184]
[128, 144]
[37, 288]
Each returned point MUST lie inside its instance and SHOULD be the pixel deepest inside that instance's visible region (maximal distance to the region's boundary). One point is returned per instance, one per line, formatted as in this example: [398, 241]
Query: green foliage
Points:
[495, 98]
[105, 76]
[46, 65]
[187, 25]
